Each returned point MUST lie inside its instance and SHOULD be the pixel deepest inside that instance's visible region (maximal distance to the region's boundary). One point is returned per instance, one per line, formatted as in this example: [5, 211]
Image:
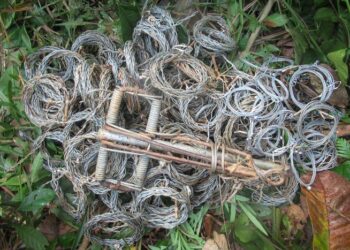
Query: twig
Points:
[255, 34]
[84, 244]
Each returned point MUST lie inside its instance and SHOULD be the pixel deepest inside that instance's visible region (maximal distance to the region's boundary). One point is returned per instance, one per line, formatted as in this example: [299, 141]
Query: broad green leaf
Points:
[7, 19]
[128, 17]
[31, 237]
[245, 234]
[37, 199]
[325, 14]
[336, 58]
[36, 167]
[275, 20]
[10, 150]
[67, 240]
[17, 180]
[252, 218]
[22, 192]
[242, 220]
[7, 164]
[253, 23]
[234, 8]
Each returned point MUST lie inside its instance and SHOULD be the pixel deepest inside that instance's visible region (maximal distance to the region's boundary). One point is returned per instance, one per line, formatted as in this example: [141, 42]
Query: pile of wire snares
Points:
[277, 112]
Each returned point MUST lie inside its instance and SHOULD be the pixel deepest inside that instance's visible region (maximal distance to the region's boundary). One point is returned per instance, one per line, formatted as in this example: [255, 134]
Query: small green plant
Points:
[343, 151]
[244, 223]
[187, 235]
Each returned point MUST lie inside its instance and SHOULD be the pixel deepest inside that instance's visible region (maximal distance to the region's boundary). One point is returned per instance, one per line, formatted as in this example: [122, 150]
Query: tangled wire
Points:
[279, 113]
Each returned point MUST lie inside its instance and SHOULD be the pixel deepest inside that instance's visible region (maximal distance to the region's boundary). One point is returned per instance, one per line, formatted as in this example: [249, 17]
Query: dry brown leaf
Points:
[210, 245]
[339, 97]
[296, 216]
[208, 225]
[51, 227]
[220, 240]
[328, 204]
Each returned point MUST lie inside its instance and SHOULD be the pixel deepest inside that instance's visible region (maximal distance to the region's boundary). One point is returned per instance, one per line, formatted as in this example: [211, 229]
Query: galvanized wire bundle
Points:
[212, 34]
[46, 100]
[277, 115]
[179, 74]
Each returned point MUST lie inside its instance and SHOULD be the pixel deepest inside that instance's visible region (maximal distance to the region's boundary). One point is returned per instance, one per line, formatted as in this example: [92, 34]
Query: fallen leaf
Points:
[287, 52]
[208, 225]
[220, 240]
[51, 227]
[339, 97]
[210, 245]
[328, 204]
[296, 216]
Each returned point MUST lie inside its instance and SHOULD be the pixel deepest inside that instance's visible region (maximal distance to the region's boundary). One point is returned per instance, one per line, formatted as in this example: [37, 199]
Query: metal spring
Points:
[142, 166]
[112, 116]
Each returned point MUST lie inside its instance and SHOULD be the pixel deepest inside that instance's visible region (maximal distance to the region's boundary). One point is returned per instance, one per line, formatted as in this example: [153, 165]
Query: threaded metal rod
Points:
[114, 107]
[101, 164]
[111, 118]
[107, 135]
[142, 166]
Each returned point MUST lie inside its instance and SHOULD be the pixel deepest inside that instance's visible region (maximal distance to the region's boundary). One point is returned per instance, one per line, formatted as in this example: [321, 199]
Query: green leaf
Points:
[233, 212]
[275, 20]
[7, 19]
[182, 33]
[25, 38]
[11, 150]
[343, 148]
[276, 223]
[252, 217]
[36, 167]
[336, 57]
[346, 118]
[21, 193]
[36, 200]
[241, 198]
[96, 246]
[343, 169]
[128, 17]
[71, 24]
[67, 240]
[325, 14]
[242, 220]
[234, 8]
[245, 234]
[31, 237]
[17, 180]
